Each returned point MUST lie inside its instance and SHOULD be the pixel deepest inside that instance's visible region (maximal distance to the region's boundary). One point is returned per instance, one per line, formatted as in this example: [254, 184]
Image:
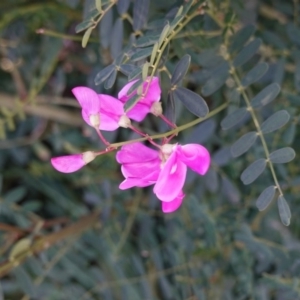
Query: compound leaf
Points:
[284, 211]
[252, 172]
[276, 121]
[283, 155]
[192, 101]
[265, 198]
[267, 95]
[243, 144]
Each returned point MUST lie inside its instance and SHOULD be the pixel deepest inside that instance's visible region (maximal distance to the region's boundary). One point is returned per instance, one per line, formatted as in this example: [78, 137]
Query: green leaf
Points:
[297, 76]
[15, 195]
[141, 54]
[289, 134]
[83, 26]
[276, 121]
[117, 38]
[98, 4]
[147, 40]
[230, 191]
[140, 14]
[180, 69]
[279, 71]
[233, 118]
[164, 34]
[192, 101]
[255, 74]
[104, 74]
[105, 29]
[283, 155]
[293, 33]
[240, 38]
[170, 111]
[135, 86]
[247, 53]
[267, 95]
[86, 37]
[111, 79]
[131, 102]
[253, 171]
[284, 211]
[273, 39]
[153, 53]
[265, 198]
[217, 79]
[24, 281]
[19, 248]
[122, 6]
[145, 69]
[135, 73]
[243, 144]
[127, 69]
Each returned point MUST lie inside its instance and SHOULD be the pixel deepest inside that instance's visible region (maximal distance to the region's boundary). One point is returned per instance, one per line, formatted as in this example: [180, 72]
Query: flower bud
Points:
[95, 120]
[124, 121]
[88, 156]
[156, 109]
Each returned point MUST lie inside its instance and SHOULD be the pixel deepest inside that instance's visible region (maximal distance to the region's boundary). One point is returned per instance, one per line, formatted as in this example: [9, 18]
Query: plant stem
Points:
[257, 126]
[173, 131]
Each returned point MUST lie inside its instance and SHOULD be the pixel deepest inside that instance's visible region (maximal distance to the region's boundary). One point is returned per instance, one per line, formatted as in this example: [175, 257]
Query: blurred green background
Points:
[77, 236]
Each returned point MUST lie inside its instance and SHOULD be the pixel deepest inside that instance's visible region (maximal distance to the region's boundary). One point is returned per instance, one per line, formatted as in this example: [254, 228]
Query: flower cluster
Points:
[141, 166]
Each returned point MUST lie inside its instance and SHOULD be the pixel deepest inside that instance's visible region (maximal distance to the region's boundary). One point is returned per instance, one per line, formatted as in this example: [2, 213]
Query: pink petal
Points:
[110, 112]
[171, 179]
[88, 99]
[142, 108]
[138, 112]
[148, 170]
[111, 105]
[122, 96]
[136, 152]
[154, 92]
[68, 163]
[168, 207]
[195, 157]
[131, 182]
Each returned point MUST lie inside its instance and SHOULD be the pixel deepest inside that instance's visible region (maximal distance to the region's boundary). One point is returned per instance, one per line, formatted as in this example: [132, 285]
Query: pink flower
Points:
[103, 111]
[72, 163]
[142, 166]
[145, 104]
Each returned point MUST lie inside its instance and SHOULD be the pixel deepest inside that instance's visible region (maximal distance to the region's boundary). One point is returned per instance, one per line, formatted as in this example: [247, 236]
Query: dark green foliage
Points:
[78, 236]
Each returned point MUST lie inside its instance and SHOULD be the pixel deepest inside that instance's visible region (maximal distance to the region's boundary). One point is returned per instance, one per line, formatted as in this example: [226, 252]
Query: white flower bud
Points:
[95, 120]
[88, 156]
[167, 149]
[124, 121]
[156, 109]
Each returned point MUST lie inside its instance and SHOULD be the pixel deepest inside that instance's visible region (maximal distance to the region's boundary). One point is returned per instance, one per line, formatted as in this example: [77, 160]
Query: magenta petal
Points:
[108, 122]
[147, 170]
[88, 99]
[68, 163]
[131, 182]
[171, 179]
[138, 112]
[142, 108]
[195, 157]
[111, 105]
[110, 112]
[122, 96]
[168, 207]
[154, 92]
[135, 152]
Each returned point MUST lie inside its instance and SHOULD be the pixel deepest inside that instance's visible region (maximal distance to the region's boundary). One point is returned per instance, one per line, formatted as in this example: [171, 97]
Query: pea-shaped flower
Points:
[102, 111]
[166, 169]
[147, 103]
